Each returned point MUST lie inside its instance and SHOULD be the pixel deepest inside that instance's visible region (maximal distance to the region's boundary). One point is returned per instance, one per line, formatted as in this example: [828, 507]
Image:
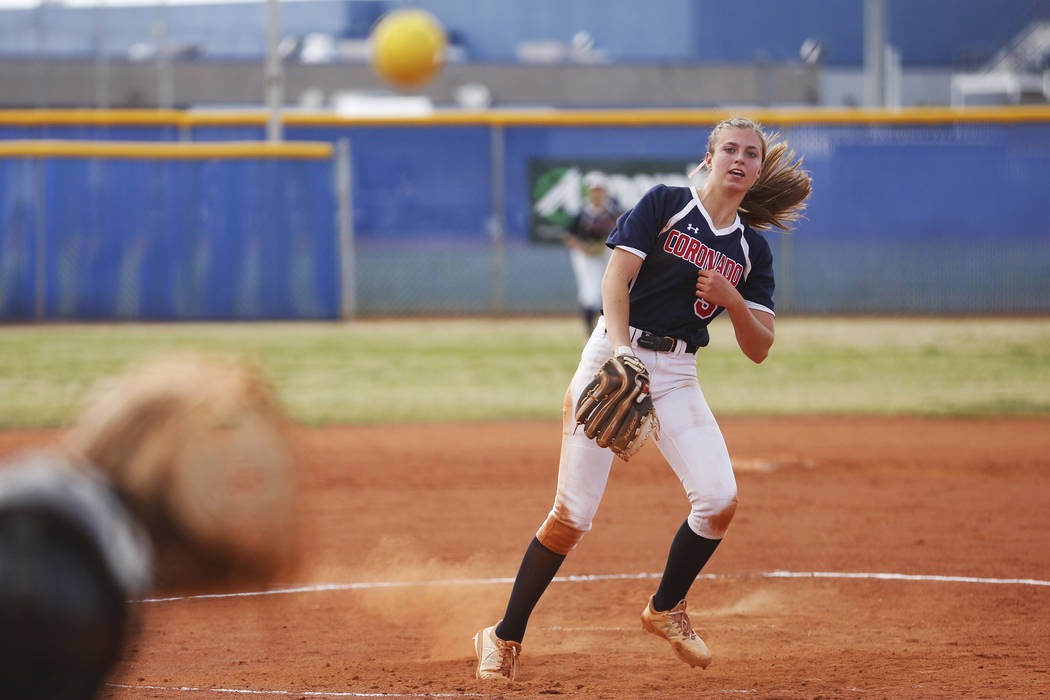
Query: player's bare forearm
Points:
[622, 268]
[753, 328]
[616, 309]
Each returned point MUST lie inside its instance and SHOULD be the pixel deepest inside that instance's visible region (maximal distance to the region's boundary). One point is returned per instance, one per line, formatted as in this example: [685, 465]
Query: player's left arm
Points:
[754, 328]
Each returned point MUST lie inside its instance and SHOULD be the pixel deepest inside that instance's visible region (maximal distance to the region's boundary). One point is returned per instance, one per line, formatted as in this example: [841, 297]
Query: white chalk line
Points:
[319, 694]
[368, 585]
[560, 628]
[296, 693]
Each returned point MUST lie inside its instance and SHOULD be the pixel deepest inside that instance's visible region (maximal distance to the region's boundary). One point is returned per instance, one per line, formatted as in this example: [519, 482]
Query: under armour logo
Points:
[692, 229]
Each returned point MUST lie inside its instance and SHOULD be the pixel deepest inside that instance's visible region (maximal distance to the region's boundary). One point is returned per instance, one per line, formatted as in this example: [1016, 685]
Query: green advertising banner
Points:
[556, 189]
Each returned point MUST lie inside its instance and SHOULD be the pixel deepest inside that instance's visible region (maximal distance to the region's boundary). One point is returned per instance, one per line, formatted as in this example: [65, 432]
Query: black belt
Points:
[662, 343]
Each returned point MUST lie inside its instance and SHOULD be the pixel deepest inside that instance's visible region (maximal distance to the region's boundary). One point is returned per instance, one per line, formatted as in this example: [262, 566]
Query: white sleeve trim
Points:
[747, 255]
[758, 307]
[681, 214]
[635, 251]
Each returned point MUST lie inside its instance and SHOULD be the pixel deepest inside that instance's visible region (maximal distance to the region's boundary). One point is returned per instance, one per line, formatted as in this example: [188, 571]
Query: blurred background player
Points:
[586, 242]
[681, 256]
[175, 472]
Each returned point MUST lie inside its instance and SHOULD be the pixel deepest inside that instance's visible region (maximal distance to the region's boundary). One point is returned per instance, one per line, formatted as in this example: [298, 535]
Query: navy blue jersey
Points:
[673, 234]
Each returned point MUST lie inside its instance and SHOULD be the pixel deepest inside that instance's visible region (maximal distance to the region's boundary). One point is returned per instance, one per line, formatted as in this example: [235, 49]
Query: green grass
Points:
[918, 366]
[480, 369]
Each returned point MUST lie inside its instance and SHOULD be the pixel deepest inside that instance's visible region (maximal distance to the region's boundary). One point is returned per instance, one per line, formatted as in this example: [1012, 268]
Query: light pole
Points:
[273, 73]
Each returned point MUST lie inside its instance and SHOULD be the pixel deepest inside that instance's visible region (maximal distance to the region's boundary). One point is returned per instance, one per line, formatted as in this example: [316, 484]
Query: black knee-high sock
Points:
[689, 552]
[538, 567]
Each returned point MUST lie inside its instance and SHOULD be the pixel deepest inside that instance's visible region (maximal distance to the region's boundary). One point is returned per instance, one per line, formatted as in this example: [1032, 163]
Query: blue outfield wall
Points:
[903, 217]
[911, 212]
[910, 218]
[113, 237]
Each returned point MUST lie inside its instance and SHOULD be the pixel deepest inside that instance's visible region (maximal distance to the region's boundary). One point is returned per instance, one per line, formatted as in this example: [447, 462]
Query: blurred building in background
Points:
[184, 213]
[510, 53]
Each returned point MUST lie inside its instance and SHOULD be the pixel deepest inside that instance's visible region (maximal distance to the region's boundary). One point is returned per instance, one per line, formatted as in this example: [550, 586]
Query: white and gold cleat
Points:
[497, 659]
[674, 626]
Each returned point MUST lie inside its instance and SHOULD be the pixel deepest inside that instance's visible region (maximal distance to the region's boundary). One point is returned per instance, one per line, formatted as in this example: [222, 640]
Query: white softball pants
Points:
[689, 439]
[589, 270]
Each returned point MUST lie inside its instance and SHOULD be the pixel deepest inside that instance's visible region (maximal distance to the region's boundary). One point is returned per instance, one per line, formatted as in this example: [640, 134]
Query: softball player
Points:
[586, 242]
[680, 257]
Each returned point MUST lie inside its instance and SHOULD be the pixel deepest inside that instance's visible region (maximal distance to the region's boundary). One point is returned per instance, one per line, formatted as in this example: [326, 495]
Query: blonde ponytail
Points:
[778, 197]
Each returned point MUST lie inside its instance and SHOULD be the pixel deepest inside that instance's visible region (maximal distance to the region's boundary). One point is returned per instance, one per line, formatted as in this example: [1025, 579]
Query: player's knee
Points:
[710, 517]
[559, 535]
[568, 413]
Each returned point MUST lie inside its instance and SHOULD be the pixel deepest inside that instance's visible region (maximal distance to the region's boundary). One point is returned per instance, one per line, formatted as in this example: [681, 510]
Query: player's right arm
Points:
[635, 234]
[616, 301]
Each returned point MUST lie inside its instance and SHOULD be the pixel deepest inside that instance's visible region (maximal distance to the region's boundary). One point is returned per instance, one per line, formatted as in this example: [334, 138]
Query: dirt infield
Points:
[412, 533]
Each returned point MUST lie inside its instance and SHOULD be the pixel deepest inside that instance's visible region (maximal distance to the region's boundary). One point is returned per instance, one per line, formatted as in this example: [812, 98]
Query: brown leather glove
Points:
[616, 408]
